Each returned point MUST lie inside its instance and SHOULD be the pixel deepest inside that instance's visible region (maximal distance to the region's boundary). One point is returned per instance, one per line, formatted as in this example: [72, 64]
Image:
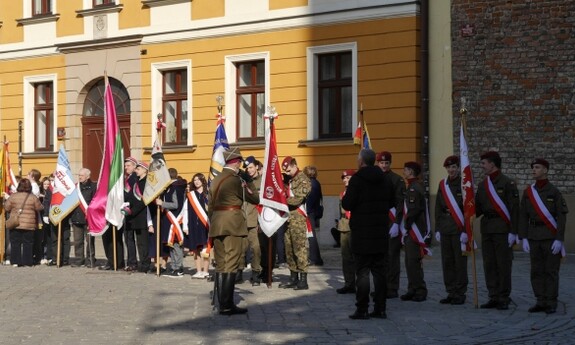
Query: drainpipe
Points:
[424, 32]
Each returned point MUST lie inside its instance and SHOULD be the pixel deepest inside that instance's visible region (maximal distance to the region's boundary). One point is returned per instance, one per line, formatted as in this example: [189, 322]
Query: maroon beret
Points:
[348, 172]
[491, 155]
[416, 167]
[383, 156]
[286, 162]
[541, 161]
[450, 161]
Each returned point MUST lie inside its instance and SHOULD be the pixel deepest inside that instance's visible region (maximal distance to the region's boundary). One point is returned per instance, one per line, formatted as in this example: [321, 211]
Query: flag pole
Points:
[362, 126]
[471, 239]
[59, 245]
[159, 134]
[3, 224]
[115, 249]
[270, 267]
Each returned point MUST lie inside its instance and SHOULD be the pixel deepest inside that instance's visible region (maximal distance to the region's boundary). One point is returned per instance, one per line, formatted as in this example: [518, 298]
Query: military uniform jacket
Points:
[399, 187]
[491, 223]
[300, 186]
[444, 221]
[416, 207]
[343, 223]
[531, 225]
[251, 209]
[225, 200]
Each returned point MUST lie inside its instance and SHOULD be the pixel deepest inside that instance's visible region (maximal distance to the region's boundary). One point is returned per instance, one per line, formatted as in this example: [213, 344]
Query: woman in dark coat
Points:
[197, 239]
[313, 206]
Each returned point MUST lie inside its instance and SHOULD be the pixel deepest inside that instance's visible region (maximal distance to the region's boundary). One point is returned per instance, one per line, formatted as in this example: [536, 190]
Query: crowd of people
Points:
[380, 213]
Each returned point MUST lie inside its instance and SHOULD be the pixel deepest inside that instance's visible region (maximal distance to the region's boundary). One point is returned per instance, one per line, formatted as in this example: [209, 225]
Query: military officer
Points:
[228, 226]
[415, 233]
[295, 238]
[383, 160]
[450, 232]
[347, 262]
[542, 228]
[497, 200]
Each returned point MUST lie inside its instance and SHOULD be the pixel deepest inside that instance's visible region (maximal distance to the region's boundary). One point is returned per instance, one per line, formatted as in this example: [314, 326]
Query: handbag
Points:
[14, 220]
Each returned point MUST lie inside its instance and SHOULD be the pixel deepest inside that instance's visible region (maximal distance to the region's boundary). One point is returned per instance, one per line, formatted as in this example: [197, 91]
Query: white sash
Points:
[498, 204]
[452, 203]
[541, 209]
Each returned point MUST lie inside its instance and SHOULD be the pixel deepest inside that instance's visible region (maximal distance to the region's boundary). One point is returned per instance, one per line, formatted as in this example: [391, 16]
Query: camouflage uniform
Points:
[544, 265]
[296, 243]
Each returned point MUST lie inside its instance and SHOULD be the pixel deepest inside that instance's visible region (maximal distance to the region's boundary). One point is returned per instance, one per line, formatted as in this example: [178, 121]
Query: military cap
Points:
[416, 167]
[249, 160]
[541, 161]
[348, 172]
[383, 156]
[232, 155]
[450, 161]
[286, 162]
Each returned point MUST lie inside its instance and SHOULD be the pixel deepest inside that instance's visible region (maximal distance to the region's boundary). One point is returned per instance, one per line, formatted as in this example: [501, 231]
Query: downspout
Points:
[424, 49]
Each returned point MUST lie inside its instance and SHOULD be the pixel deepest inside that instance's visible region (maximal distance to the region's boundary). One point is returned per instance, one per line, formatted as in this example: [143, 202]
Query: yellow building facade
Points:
[316, 61]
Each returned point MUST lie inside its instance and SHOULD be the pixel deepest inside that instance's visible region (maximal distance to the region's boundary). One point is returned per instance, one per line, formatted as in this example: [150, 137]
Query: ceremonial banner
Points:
[158, 178]
[220, 146]
[107, 202]
[274, 210]
[8, 180]
[64, 192]
[467, 191]
[361, 136]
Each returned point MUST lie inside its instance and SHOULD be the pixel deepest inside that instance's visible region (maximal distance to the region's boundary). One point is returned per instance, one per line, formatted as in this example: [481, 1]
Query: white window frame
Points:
[312, 84]
[156, 75]
[230, 110]
[88, 4]
[28, 93]
[28, 8]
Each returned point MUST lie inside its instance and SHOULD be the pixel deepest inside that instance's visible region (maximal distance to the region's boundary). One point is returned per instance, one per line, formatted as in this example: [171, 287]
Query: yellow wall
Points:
[10, 32]
[134, 15]
[204, 9]
[279, 4]
[69, 23]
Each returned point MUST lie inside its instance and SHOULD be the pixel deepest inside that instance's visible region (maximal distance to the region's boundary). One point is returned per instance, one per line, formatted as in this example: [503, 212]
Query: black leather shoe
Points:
[235, 310]
[392, 294]
[407, 297]
[378, 314]
[537, 308]
[550, 310]
[491, 304]
[458, 300]
[446, 300]
[418, 298]
[345, 289]
[106, 268]
[503, 306]
[359, 315]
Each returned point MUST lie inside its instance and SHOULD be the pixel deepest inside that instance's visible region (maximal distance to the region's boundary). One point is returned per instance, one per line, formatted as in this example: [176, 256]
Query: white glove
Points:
[463, 238]
[556, 247]
[46, 220]
[437, 236]
[394, 230]
[526, 247]
[512, 239]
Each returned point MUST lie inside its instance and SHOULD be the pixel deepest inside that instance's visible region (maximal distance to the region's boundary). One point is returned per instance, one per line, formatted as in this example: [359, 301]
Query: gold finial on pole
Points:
[220, 101]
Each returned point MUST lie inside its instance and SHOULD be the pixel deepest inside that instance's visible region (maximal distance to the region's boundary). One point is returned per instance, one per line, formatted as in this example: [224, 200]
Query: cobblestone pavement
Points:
[73, 305]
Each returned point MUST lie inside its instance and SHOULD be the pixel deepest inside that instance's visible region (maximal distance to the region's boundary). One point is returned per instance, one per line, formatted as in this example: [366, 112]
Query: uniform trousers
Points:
[296, 243]
[374, 264]
[347, 261]
[393, 264]
[414, 267]
[22, 243]
[268, 253]
[454, 266]
[227, 252]
[544, 272]
[497, 262]
[254, 245]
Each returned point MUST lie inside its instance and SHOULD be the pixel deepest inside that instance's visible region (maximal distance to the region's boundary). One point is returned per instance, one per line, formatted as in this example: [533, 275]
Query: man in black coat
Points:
[368, 197]
[79, 225]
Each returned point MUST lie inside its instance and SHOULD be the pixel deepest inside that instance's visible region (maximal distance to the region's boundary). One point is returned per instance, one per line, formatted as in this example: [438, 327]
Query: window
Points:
[103, 2]
[175, 106]
[41, 7]
[334, 95]
[250, 99]
[43, 117]
[94, 104]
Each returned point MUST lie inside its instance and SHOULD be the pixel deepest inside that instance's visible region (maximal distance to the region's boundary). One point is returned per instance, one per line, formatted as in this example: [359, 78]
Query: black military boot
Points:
[227, 306]
[302, 283]
[256, 280]
[240, 277]
[291, 283]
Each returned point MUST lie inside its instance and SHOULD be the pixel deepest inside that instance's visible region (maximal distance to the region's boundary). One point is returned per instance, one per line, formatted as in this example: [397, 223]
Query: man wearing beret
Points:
[228, 226]
[497, 200]
[295, 238]
[415, 233]
[347, 262]
[450, 232]
[542, 228]
[383, 160]
[368, 197]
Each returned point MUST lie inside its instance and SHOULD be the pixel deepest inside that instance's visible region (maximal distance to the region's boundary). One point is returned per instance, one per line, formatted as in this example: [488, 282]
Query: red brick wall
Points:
[517, 71]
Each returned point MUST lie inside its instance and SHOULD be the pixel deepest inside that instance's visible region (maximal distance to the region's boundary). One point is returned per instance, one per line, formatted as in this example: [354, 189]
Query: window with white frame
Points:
[247, 95]
[41, 7]
[40, 112]
[332, 91]
[97, 3]
[171, 97]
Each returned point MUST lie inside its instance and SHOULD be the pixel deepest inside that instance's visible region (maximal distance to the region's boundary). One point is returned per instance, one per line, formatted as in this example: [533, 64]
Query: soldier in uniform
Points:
[228, 227]
[450, 232]
[383, 160]
[251, 166]
[415, 232]
[347, 262]
[497, 200]
[295, 238]
[542, 228]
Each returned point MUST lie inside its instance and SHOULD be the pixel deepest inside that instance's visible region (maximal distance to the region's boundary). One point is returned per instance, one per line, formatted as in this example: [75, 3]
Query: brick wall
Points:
[514, 62]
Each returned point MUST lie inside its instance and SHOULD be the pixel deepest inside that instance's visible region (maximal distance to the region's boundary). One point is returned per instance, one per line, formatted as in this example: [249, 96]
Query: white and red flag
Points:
[467, 191]
[273, 210]
[64, 192]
